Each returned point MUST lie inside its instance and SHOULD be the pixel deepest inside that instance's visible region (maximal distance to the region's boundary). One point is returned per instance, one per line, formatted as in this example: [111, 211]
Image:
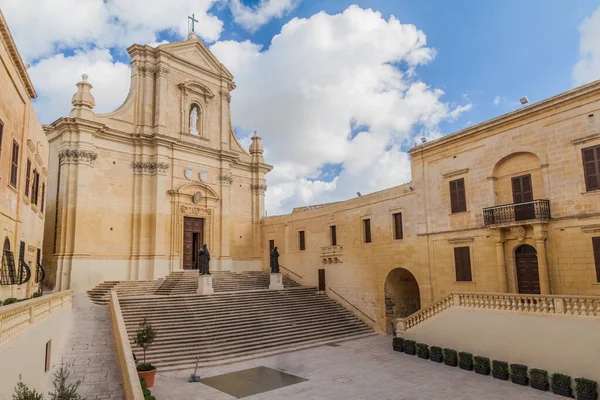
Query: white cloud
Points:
[587, 68]
[42, 27]
[497, 100]
[55, 80]
[252, 18]
[319, 77]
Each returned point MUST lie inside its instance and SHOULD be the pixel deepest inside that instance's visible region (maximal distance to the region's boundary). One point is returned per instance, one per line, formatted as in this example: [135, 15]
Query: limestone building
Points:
[133, 193]
[23, 175]
[509, 205]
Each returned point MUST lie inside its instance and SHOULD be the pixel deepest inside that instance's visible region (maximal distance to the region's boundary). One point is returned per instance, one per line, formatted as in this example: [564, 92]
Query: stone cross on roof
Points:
[193, 19]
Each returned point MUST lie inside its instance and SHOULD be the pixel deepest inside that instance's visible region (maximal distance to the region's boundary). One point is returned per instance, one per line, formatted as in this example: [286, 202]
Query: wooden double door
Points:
[523, 198]
[193, 239]
[528, 275]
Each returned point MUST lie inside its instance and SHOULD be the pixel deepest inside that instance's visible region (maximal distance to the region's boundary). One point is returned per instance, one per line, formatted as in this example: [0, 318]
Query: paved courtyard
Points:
[359, 369]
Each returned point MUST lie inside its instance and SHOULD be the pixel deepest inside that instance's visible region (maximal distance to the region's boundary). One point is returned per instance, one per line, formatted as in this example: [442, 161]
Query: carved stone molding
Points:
[226, 180]
[77, 156]
[162, 70]
[151, 168]
[146, 69]
[256, 188]
[195, 211]
[517, 232]
[226, 95]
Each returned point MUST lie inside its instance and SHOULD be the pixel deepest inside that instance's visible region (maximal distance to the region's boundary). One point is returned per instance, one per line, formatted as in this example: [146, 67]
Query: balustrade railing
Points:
[530, 210]
[332, 254]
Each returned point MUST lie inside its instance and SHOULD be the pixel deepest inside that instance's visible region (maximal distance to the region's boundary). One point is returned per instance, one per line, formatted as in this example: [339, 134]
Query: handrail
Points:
[289, 270]
[517, 204]
[343, 298]
[131, 382]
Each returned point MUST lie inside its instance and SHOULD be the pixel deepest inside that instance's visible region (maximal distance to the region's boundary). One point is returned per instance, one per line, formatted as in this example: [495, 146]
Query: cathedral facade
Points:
[134, 193]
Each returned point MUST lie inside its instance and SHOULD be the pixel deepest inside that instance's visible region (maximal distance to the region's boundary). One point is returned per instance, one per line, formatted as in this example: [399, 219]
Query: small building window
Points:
[462, 263]
[333, 235]
[35, 187]
[1, 134]
[48, 361]
[301, 240]
[596, 245]
[591, 167]
[14, 165]
[458, 199]
[271, 245]
[367, 230]
[43, 197]
[28, 177]
[398, 233]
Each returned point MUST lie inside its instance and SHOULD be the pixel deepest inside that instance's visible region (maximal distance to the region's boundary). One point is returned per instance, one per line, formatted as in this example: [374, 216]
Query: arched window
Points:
[195, 120]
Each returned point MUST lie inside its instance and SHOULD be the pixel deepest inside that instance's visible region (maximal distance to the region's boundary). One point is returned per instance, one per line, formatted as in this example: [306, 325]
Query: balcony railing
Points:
[531, 210]
[332, 254]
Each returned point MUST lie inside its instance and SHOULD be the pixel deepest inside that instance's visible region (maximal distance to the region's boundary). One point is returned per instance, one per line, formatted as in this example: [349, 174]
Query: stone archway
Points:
[528, 276]
[402, 297]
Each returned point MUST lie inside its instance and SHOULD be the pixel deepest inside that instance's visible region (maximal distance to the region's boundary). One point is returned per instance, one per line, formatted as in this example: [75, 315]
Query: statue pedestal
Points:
[205, 285]
[276, 281]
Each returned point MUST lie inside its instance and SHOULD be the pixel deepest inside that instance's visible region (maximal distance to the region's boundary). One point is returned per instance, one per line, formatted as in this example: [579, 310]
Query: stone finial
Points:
[256, 147]
[83, 100]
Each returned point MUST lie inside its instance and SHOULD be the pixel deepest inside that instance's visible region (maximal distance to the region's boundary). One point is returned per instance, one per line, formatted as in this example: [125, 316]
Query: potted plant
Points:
[482, 365]
[435, 354]
[450, 357]
[398, 344]
[561, 385]
[518, 374]
[465, 361]
[410, 347]
[422, 351]
[586, 389]
[144, 337]
[539, 379]
[500, 370]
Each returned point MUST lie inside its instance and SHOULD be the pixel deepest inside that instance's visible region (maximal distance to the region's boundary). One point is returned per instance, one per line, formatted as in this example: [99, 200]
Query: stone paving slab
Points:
[362, 369]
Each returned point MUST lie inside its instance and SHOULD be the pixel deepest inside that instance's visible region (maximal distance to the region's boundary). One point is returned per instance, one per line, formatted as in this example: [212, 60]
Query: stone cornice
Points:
[226, 180]
[455, 173]
[258, 188]
[16, 57]
[77, 156]
[150, 167]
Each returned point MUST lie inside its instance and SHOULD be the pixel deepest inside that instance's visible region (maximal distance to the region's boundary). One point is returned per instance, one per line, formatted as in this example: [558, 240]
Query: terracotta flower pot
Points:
[148, 376]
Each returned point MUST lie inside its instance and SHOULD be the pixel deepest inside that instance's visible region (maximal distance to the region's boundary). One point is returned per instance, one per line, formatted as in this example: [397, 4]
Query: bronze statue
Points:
[274, 261]
[203, 259]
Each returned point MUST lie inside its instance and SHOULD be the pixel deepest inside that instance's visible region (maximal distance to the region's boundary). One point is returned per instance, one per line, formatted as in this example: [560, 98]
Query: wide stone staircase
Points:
[101, 293]
[228, 326]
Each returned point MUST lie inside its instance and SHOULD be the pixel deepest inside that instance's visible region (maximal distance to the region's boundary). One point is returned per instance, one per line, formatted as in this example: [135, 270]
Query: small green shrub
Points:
[10, 300]
[435, 351]
[146, 391]
[145, 367]
[62, 390]
[422, 350]
[450, 355]
[144, 337]
[410, 346]
[481, 362]
[538, 375]
[518, 371]
[398, 344]
[465, 358]
[36, 294]
[500, 367]
[560, 381]
[22, 392]
[585, 387]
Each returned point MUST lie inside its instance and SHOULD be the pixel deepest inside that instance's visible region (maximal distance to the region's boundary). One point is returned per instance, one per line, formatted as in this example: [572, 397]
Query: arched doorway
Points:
[402, 297]
[528, 276]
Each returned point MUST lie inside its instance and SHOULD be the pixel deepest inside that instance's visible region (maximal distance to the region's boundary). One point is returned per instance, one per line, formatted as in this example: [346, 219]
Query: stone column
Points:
[501, 262]
[540, 236]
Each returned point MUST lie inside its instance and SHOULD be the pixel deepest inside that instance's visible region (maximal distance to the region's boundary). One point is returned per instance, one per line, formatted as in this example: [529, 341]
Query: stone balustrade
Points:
[16, 318]
[332, 254]
[587, 306]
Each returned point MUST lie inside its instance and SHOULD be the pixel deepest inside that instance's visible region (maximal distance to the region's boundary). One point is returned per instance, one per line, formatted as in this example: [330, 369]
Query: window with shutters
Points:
[43, 197]
[333, 235]
[458, 199]
[28, 177]
[591, 167]
[398, 233]
[596, 245]
[367, 230]
[301, 240]
[462, 263]
[14, 165]
[35, 187]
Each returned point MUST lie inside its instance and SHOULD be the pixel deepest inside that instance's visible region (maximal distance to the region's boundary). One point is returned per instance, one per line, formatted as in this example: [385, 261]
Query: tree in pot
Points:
[539, 379]
[450, 357]
[561, 385]
[398, 344]
[482, 365]
[144, 337]
[500, 370]
[465, 361]
[410, 347]
[586, 389]
[422, 351]
[435, 354]
[518, 374]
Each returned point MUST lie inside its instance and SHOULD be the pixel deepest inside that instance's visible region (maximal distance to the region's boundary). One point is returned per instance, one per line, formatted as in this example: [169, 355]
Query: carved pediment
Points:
[197, 88]
[196, 53]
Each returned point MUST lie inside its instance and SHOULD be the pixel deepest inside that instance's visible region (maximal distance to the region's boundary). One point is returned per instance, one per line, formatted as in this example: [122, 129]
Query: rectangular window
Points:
[1, 132]
[367, 229]
[14, 165]
[271, 242]
[35, 187]
[458, 199]
[48, 361]
[28, 177]
[596, 244]
[462, 263]
[591, 167]
[398, 233]
[301, 243]
[333, 235]
[43, 197]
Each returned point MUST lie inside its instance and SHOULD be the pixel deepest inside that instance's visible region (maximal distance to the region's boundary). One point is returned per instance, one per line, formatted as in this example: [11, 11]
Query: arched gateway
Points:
[402, 296]
[528, 277]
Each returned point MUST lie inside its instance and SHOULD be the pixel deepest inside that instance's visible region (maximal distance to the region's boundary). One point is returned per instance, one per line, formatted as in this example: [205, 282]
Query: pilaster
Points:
[540, 235]
[500, 261]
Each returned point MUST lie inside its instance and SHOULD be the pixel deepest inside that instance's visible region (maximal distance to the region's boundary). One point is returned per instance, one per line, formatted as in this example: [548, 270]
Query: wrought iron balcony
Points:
[538, 210]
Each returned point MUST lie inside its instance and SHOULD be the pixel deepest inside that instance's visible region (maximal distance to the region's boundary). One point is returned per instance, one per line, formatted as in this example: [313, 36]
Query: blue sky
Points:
[355, 88]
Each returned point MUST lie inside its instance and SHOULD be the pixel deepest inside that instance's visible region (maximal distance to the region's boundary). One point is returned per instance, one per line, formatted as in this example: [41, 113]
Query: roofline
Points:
[511, 116]
[16, 57]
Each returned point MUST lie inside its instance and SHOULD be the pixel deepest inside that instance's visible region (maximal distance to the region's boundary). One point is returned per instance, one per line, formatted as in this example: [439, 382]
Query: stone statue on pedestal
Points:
[203, 259]
[274, 261]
